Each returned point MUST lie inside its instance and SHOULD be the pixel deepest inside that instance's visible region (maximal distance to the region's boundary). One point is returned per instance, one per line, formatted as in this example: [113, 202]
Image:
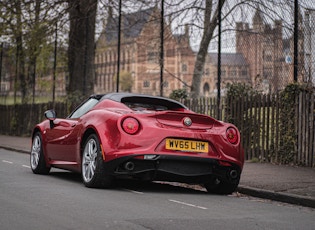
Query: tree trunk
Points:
[20, 55]
[35, 41]
[81, 49]
[209, 27]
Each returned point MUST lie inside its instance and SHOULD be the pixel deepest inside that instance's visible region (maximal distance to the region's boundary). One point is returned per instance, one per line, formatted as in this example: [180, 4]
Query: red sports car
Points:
[123, 135]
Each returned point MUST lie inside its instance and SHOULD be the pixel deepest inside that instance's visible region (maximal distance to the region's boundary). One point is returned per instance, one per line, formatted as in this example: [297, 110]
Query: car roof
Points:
[140, 98]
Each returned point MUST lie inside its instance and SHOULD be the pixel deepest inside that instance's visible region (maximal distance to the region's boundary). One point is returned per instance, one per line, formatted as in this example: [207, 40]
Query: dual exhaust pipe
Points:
[233, 174]
[129, 166]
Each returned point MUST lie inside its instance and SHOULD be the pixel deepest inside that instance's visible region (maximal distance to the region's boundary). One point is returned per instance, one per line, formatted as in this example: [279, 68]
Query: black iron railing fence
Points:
[265, 127]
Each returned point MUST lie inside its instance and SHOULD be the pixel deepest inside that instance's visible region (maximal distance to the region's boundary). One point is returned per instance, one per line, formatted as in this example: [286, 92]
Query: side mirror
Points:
[51, 116]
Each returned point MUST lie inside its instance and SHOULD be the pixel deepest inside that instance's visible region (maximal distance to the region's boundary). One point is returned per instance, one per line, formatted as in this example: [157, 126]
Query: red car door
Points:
[62, 140]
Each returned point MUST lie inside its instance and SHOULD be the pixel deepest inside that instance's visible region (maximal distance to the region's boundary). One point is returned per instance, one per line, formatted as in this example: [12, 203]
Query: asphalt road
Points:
[60, 201]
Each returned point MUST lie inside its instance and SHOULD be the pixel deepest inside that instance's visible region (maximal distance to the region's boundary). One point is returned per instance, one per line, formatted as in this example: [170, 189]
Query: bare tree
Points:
[202, 18]
[29, 25]
[210, 23]
[11, 17]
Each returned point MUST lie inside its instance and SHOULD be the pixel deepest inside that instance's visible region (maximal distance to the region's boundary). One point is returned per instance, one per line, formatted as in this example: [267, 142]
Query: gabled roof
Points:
[131, 24]
[231, 59]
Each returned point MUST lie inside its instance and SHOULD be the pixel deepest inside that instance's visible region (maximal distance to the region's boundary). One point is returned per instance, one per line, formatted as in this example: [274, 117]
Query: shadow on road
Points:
[134, 185]
[66, 175]
[156, 187]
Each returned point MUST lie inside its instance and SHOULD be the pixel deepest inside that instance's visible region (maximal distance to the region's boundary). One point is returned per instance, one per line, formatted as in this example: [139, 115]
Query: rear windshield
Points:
[151, 103]
[144, 106]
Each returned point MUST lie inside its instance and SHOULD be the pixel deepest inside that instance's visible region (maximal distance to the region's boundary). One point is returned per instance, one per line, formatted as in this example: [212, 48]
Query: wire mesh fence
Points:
[260, 47]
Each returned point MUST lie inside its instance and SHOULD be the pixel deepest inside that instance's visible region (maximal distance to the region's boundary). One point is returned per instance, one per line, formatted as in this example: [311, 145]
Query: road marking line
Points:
[133, 191]
[187, 204]
[26, 166]
[9, 162]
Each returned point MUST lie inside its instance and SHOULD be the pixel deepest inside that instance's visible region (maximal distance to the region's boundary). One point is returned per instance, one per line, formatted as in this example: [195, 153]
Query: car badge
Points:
[187, 121]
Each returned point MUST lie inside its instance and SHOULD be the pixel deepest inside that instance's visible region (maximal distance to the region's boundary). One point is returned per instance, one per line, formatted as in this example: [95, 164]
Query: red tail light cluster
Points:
[232, 136]
[130, 125]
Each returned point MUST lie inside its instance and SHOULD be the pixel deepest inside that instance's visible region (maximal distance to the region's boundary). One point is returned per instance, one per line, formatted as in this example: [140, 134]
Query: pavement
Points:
[288, 184]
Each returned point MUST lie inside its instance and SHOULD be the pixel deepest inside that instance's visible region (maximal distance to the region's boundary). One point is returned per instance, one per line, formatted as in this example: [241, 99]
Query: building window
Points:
[206, 89]
[146, 84]
[152, 54]
[4, 87]
[152, 57]
[223, 73]
[184, 68]
[232, 72]
[267, 55]
[269, 58]
[267, 72]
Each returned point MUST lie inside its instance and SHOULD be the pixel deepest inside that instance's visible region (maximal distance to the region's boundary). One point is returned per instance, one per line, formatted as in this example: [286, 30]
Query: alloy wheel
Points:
[36, 151]
[89, 160]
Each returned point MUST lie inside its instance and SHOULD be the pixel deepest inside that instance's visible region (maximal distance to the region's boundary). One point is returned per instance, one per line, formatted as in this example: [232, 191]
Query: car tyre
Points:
[222, 187]
[37, 158]
[93, 175]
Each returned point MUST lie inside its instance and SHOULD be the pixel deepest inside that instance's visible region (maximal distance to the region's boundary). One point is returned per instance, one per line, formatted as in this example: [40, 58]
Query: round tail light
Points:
[232, 135]
[130, 125]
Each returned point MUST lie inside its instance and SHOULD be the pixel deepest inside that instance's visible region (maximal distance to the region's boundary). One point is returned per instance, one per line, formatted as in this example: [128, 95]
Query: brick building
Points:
[268, 54]
[234, 68]
[140, 50]
[140, 55]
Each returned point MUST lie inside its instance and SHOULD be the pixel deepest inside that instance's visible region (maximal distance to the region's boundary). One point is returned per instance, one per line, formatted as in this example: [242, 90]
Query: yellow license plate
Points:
[186, 145]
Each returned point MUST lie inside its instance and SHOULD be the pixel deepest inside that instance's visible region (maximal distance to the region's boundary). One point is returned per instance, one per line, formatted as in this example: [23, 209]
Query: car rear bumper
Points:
[172, 168]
